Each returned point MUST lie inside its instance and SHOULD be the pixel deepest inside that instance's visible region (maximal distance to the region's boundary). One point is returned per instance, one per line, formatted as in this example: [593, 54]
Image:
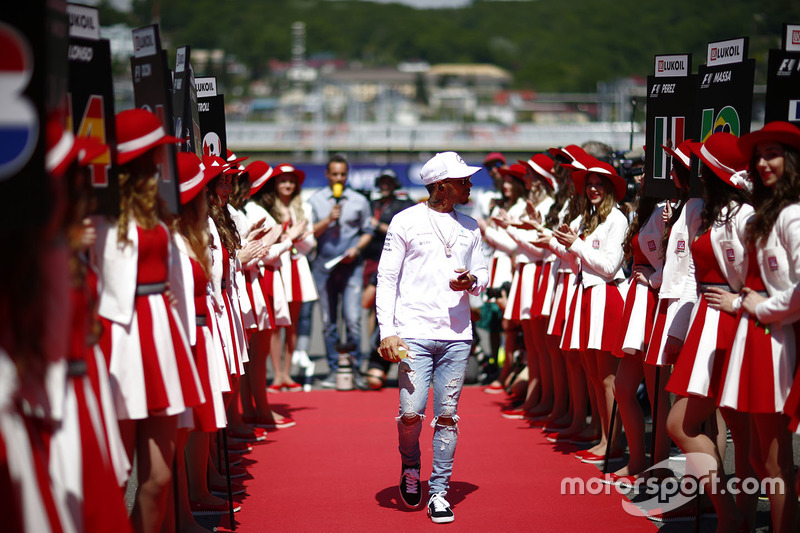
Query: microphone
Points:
[337, 189]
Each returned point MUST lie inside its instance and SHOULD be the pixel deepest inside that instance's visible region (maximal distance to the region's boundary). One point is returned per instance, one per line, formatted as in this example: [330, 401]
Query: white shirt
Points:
[414, 299]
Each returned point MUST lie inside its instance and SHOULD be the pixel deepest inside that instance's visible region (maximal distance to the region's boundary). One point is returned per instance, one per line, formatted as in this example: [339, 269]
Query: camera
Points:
[629, 166]
[497, 292]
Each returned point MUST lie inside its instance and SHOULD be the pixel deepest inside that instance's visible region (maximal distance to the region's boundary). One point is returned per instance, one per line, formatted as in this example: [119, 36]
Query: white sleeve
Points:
[477, 267]
[784, 306]
[500, 240]
[608, 260]
[389, 268]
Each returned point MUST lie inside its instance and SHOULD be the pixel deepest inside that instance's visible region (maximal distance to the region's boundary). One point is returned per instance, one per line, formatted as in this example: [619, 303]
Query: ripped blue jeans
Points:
[446, 363]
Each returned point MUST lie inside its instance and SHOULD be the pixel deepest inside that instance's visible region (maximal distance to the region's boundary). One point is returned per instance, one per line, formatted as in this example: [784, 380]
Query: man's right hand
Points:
[389, 348]
[336, 212]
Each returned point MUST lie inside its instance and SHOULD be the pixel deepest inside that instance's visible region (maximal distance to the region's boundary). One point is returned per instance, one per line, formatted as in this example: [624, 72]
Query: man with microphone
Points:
[342, 226]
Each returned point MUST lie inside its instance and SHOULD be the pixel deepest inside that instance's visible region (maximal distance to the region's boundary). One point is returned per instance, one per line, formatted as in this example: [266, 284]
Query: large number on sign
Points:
[93, 124]
[19, 121]
[726, 120]
[668, 131]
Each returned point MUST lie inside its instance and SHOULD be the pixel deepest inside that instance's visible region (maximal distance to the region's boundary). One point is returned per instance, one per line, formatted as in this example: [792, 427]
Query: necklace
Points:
[451, 240]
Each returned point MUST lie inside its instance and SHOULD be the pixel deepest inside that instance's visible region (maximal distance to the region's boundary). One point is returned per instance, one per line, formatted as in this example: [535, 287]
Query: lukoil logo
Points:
[796, 37]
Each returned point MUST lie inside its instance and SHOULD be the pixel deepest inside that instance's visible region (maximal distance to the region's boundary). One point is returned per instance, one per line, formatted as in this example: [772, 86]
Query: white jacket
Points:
[601, 252]
[650, 244]
[118, 267]
[779, 262]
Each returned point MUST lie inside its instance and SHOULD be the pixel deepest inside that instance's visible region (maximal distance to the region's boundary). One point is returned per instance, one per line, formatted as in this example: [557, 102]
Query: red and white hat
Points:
[518, 171]
[721, 154]
[259, 173]
[235, 169]
[682, 153]
[213, 161]
[232, 160]
[542, 167]
[602, 169]
[778, 131]
[582, 161]
[63, 148]
[571, 153]
[139, 130]
[286, 168]
[193, 175]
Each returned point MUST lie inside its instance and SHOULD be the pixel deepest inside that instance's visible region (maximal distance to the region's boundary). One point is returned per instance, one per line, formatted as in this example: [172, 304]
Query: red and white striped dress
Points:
[699, 365]
[231, 321]
[638, 314]
[151, 367]
[27, 503]
[298, 282]
[757, 371]
[209, 416]
[81, 466]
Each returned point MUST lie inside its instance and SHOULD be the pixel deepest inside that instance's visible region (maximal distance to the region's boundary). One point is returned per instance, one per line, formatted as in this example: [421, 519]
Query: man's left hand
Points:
[464, 280]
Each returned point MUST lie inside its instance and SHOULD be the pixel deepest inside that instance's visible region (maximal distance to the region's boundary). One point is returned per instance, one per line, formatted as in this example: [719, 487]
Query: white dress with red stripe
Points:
[523, 286]
[598, 303]
[247, 280]
[531, 269]
[542, 303]
[757, 372]
[269, 276]
[27, 503]
[231, 319]
[673, 312]
[638, 315]
[151, 367]
[699, 365]
[501, 266]
[209, 416]
[298, 283]
[87, 482]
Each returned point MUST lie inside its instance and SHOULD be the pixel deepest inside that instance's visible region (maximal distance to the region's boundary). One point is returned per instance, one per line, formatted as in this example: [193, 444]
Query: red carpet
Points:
[338, 470]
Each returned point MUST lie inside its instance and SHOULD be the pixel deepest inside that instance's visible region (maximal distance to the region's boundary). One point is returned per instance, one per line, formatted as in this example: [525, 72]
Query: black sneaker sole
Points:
[409, 504]
[441, 519]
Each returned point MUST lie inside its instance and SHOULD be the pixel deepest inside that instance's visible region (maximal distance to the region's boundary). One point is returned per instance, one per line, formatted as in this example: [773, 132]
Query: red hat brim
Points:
[127, 157]
[296, 172]
[781, 132]
[620, 185]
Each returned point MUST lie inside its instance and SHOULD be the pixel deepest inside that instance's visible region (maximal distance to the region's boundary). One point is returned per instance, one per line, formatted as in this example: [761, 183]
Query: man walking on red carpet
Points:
[431, 259]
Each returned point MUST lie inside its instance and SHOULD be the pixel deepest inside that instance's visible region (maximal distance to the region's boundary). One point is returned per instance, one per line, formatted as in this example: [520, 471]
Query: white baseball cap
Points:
[445, 165]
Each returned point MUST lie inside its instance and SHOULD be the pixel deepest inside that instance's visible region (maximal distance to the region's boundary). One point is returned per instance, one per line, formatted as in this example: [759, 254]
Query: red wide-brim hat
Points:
[601, 169]
[542, 166]
[193, 175]
[720, 152]
[259, 173]
[681, 153]
[778, 131]
[286, 168]
[139, 130]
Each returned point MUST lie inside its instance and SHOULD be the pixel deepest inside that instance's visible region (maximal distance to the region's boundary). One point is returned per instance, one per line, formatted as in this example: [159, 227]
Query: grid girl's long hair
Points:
[718, 195]
[226, 227]
[594, 217]
[769, 201]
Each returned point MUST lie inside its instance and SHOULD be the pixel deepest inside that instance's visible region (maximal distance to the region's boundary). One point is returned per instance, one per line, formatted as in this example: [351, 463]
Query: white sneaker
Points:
[439, 509]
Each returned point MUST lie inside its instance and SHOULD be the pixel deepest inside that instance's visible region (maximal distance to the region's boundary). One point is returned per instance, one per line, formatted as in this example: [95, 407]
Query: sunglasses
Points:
[495, 164]
[461, 181]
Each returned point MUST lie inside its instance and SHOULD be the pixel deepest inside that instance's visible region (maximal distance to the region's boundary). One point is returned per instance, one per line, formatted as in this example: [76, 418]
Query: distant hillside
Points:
[564, 45]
